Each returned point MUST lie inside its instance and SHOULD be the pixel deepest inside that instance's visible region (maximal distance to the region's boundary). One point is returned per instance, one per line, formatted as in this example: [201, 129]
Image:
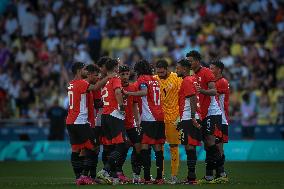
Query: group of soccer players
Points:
[106, 109]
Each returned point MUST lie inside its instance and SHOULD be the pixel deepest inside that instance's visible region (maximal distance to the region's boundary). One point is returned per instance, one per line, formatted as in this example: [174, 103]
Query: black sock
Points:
[216, 158]
[146, 162]
[77, 164]
[191, 164]
[106, 151]
[221, 168]
[209, 161]
[115, 157]
[122, 160]
[159, 164]
[136, 162]
[90, 163]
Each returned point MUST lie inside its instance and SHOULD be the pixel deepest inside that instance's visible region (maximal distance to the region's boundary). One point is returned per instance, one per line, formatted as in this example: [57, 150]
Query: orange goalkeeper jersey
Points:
[169, 96]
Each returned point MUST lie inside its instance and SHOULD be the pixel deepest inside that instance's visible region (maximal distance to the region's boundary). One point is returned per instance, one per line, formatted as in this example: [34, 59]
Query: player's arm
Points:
[142, 92]
[211, 91]
[119, 99]
[100, 83]
[136, 113]
[193, 108]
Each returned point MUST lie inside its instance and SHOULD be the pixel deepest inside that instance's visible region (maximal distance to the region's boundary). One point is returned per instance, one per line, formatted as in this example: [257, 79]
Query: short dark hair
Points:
[111, 64]
[195, 55]
[218, 63]
[184, 63]
[103, 60]
[162, 63]
[124, 68]
[77, 66]
[91, 68]
[143, 67]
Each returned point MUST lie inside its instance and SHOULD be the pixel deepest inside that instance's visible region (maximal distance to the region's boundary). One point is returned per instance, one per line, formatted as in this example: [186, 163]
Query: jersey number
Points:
[105, 95]
[156, 95]
[71, 99]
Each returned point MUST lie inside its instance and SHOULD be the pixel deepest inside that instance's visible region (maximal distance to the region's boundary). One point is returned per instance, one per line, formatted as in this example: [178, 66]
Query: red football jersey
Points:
[151, 106]
[78, 107]
[208, 104]
[108, 95]
[223, 89]
[91, 110]
[97, 94]
[187, 89]
[128, 102]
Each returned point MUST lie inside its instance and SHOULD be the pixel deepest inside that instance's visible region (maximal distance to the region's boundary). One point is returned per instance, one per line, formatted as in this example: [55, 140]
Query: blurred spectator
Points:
[264, 109]
[29, 23]
[248, 116]
[11, 24]
[280, 110]
[93, 37]
[57, 115]
[4, 54]
[82, 55]
[149, 24]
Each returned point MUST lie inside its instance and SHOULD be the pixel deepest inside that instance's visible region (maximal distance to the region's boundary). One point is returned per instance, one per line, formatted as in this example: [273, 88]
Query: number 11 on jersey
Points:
[156, 91]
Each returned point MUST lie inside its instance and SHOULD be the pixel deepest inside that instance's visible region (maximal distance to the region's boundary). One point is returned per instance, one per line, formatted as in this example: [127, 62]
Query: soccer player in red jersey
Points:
[91, 159]
[211, 114]
[223, 92]
[99, 106]
[189, 117]
[113, 130]
[131, 124]
[152, 119]
[77, 120]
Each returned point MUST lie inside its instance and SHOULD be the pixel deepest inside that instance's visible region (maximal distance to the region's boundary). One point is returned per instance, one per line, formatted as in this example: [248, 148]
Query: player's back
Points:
[151, 104]
[78, 106]
[208, 104]
[187, 89]
[223, 89]
[109, 97]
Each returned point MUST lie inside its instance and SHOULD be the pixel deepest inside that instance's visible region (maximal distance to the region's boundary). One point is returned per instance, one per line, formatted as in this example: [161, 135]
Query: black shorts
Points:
[210, 123]
[222, 134]
[190, 134]
[153, 132]
[133, 135]
[97, 135]
[113, 130]
[81, 136]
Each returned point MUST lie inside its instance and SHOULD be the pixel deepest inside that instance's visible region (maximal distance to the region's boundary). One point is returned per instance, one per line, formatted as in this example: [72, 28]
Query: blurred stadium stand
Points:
[39, 40]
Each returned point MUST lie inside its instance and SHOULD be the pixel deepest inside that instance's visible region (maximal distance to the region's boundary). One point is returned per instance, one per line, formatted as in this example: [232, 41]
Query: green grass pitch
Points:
[52, 175]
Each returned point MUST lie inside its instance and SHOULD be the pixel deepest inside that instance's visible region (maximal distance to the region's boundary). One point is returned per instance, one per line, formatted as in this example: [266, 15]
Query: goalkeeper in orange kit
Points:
[169, 88]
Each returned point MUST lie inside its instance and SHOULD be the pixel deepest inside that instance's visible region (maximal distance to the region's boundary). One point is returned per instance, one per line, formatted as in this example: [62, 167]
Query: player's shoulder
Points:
[189, 79]
[132, 87]
[78, 82]
[114, 79]
[222, 81]
[144, 78]
[156, 77]
[173, 76]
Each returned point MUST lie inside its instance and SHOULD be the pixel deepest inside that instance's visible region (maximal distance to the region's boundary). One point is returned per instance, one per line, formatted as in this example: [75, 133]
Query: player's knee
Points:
[190, 147]
[137, 148]
[144, 146]
[158, 147]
